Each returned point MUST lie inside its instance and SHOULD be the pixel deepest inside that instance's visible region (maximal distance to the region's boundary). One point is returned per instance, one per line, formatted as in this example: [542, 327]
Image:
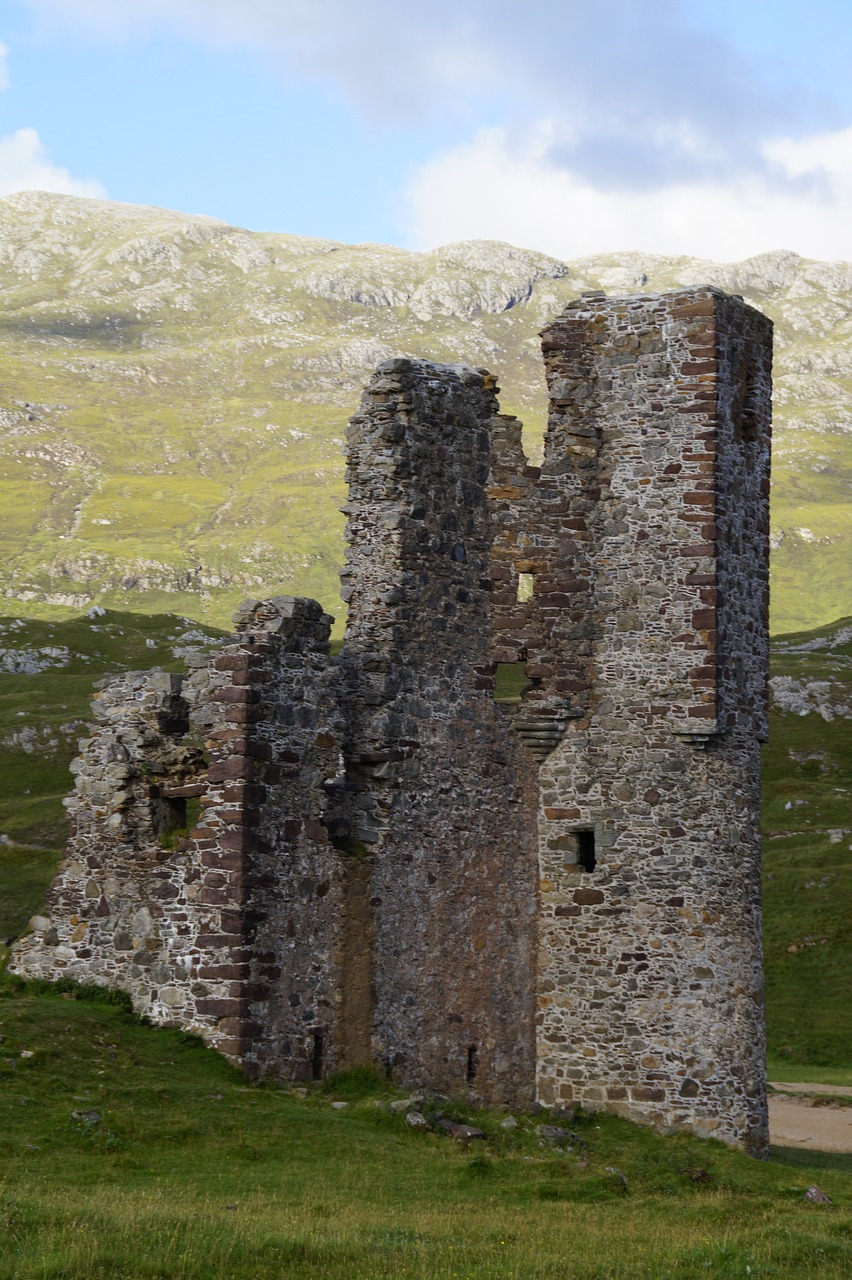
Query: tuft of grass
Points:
[356, 1084]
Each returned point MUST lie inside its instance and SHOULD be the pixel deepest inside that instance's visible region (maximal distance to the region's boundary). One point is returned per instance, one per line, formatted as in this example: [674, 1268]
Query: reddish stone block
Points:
[238, 694]
[229, 769]
[647, 1093]
[243, 840]
[588, 897]
[698, 549]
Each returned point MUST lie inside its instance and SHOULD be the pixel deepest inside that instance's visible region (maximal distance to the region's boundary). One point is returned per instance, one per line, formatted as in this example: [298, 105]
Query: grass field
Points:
[807, 823]
[129, 1151]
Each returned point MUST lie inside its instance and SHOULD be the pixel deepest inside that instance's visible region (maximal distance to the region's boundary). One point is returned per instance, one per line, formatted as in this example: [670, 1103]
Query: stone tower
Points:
[646, 642]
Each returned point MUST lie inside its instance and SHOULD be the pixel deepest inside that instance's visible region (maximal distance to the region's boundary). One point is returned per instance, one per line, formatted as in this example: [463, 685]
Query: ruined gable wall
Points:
[443, 800]
[232, 932]
[650, 980]
[544, 530]
[120, 910]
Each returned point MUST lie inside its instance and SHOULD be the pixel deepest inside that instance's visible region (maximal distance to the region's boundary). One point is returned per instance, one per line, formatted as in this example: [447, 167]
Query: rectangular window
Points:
[526, 586]
[316, 1058]
[586, 849]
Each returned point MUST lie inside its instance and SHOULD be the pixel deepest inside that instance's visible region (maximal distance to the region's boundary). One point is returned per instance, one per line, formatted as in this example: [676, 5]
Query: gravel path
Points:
[798, 1118]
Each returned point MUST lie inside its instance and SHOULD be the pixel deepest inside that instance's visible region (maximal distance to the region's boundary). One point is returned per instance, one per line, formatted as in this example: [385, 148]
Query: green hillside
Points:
[807, 822]
[174, 392]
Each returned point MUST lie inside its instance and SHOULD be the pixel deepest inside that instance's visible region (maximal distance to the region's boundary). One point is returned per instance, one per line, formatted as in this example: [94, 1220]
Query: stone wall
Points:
[650, 969]
[273, 888]
[443, 801]
[229, 930]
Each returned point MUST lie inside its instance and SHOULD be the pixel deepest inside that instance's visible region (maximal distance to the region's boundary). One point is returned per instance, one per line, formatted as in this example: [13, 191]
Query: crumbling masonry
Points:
[555, 897]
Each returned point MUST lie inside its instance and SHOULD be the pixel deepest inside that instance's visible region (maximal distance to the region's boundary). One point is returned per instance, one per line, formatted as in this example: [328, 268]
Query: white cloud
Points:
[4, 70]
[492, 188]
[639, 70]
[25, 165]
[624, 123]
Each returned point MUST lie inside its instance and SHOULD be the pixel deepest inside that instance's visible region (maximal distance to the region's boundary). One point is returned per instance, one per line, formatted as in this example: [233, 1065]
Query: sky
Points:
[719, 130]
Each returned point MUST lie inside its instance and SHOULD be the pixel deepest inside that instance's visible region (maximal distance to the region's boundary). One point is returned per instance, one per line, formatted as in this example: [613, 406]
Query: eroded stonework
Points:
[555, 895]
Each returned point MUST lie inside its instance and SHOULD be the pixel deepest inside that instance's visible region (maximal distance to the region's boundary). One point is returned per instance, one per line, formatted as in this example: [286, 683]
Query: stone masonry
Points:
[551, 896]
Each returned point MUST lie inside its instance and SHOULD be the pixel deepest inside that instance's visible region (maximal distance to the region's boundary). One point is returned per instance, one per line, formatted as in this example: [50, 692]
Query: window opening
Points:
[586, 850]
[472, 1064]
[510, 681]
[174, 816]
[525, 587]
[316, 1058]
[168, 818]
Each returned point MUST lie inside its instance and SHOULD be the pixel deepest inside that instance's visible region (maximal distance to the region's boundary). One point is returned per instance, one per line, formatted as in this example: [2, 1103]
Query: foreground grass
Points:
[129, 1151]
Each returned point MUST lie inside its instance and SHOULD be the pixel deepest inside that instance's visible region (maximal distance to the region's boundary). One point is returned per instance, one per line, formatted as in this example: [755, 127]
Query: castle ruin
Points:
[555, 897]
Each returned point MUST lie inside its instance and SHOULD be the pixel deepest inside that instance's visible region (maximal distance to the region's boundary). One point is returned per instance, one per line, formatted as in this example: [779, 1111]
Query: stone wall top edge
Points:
[597, 300]
[144, 676]
[430, 368]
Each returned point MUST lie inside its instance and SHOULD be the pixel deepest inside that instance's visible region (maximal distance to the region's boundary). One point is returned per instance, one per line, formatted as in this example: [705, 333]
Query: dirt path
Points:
[841, 1090]
[795, 1121]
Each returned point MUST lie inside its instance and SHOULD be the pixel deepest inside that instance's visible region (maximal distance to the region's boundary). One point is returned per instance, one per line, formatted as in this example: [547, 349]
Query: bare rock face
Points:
[553, 898]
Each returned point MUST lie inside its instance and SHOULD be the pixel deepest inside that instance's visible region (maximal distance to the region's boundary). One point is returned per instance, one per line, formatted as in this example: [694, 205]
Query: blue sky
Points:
[674, 126]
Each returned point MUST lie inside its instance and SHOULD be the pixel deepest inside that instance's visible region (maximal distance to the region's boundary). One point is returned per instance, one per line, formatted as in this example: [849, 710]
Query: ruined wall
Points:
[387, 867]
[650, 969]
[443, 800]
[121, 909]
[273, 888]
[230, 931]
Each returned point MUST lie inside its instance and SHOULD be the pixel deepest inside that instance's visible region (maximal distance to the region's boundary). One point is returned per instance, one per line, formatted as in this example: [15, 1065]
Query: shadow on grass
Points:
[799, 1157]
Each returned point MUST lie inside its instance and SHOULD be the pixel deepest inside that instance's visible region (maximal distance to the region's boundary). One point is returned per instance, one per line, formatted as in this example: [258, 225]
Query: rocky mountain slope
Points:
[174, 391]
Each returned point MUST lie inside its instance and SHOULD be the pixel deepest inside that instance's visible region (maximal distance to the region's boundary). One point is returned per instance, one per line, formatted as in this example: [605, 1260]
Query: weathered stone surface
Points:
[463, 1133]
[657, 979]
[555, 1135]
[439, 804]
[386, 866]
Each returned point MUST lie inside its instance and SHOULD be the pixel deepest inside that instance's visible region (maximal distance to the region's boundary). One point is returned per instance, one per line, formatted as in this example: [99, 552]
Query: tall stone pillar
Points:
[650, 987]
[441, 798]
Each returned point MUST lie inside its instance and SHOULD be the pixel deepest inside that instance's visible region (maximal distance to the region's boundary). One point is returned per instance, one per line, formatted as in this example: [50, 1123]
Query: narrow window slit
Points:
[586, 850]
[316, 1058]
[472, 1064]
